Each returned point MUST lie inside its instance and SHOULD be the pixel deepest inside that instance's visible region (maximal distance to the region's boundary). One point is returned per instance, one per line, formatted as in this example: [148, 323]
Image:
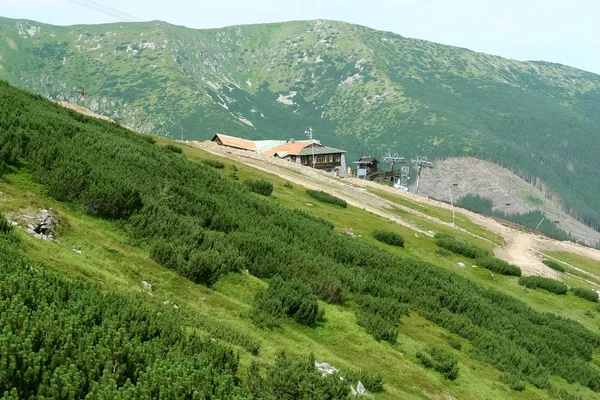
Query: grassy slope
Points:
[109, 259]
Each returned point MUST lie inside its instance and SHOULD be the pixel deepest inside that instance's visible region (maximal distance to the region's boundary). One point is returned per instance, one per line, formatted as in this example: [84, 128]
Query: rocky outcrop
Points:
[41, 224]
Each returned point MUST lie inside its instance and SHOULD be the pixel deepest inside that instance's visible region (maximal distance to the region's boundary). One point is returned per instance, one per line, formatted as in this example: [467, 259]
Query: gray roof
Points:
[366, 160]
[319, 150]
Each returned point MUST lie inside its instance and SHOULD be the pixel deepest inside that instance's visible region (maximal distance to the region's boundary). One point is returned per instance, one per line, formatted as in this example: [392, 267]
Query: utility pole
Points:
[309, 133]
[538, 225]
[81, 99]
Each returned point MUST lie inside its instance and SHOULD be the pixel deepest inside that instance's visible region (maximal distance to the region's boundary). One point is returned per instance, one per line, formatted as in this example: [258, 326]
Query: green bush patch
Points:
[261, 187]
[214, 163]
[551, 285]
[588, 294]
[554, 265]
[326, 198]
[173, 148]
[459, 246]
[498, 266]
[388, 237]
[440, 360]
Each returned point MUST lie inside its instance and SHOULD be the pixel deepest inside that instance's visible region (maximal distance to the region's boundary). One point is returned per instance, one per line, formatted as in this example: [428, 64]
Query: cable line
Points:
[108, 10]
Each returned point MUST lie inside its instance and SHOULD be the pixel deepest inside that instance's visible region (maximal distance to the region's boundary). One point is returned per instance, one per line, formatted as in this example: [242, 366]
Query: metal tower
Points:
[420, 162]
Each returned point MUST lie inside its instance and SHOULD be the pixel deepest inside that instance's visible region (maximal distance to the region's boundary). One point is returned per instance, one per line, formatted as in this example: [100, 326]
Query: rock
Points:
[416, 235]
[461, 264]
[147, 286]
[43, 226]
[78, 251]
[326, 369]
[166, 302]
[360, 388]
[175, 307]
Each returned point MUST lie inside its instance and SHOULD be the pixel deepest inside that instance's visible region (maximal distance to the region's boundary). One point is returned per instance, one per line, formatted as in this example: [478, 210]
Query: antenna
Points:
[309, 132]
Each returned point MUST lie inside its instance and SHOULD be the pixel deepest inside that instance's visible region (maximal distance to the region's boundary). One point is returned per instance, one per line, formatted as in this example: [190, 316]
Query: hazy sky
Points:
[563, 31]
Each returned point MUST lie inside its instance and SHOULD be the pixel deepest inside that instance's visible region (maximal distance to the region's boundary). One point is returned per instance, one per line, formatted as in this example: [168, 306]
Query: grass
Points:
[441, 214]
[580, 271]
[110, 259]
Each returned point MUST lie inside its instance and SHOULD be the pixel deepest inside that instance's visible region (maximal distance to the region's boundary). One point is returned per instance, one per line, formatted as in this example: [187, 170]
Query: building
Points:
[236, 143]
[304, 152]
[366, 168]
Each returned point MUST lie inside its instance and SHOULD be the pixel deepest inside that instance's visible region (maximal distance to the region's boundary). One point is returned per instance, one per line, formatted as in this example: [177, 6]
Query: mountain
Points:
[363, 90]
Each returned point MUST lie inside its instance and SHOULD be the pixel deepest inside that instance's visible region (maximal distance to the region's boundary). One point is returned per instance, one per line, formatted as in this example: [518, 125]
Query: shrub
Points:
[230, 334]
[288, 185]
[148, 139]
[204, 267]
[588, 294]
[111, 200]
[391, 238]
[454, 342]
[386, 307]
[372, 382]
[551, 285]
[216, 164]
[5, 226]
[554, 265]
[233, 174]
[261, 187]
[443, 252]
[459, 246]
[286, 299]
[174, 148]
[513, 381]
[326, 198]
[293, 379]
[440, 360]
[378, 327]
[498, 266]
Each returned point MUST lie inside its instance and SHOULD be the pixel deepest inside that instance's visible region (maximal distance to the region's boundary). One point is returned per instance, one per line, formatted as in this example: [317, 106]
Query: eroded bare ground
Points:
[520, 248]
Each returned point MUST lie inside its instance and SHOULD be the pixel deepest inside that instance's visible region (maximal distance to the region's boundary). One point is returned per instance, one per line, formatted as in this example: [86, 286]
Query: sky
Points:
[562, 31]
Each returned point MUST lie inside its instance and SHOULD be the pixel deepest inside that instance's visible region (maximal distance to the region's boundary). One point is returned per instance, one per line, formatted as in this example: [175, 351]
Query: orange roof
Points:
[288, 148]
[238, 143]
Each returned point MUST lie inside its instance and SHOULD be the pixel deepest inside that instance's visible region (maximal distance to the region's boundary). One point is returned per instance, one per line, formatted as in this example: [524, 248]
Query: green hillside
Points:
[364, 90]
[252, 275]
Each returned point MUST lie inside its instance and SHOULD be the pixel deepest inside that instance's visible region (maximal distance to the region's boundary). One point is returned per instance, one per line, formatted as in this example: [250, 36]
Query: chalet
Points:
[298, 151]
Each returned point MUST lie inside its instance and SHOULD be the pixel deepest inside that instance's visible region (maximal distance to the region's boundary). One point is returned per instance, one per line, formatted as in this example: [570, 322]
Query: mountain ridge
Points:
[363, 90]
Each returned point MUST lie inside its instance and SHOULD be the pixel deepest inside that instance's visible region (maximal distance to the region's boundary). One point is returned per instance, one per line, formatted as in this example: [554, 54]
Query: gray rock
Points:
[360, 388]
[147, 286]
[78, 251]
